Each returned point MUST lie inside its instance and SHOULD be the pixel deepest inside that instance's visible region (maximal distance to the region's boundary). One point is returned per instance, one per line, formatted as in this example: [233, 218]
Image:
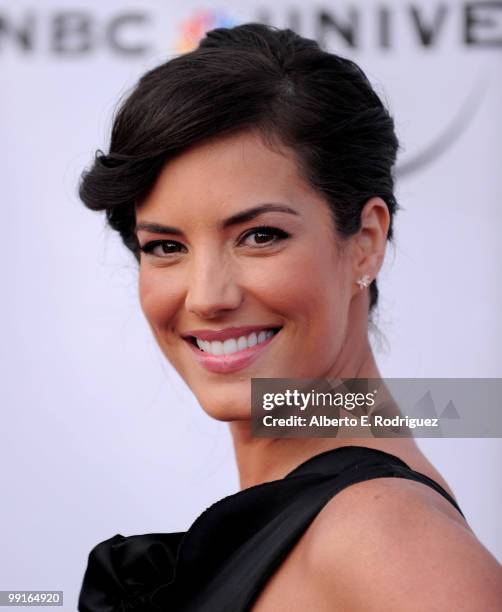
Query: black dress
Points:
[224, 560]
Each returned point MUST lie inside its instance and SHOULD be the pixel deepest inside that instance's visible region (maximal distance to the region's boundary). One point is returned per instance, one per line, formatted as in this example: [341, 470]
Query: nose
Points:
[211, 287]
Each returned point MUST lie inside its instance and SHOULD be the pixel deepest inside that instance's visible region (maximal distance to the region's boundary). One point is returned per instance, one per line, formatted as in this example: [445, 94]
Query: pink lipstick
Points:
[225, 364]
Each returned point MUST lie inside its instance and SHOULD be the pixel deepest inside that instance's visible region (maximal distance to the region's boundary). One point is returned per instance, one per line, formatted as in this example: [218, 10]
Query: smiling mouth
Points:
[233, 345]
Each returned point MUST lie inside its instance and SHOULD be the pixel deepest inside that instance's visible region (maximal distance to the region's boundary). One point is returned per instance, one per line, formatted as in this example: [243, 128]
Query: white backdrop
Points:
[99, 434]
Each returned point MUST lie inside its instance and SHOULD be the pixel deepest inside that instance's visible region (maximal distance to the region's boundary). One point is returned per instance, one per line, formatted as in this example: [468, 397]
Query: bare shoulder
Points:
[397, 545]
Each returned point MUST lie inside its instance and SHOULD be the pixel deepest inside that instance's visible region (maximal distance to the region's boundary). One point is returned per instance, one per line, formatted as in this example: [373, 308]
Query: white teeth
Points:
[242, 343]
[232, 345]
[217, 347]
[229, 346]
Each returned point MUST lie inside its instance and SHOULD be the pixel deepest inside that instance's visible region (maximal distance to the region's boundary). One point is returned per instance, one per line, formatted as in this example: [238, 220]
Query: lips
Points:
[223, 364]
[225, 334]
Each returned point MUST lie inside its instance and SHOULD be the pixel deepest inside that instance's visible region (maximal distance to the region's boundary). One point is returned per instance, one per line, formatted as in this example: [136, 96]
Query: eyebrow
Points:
[240, 217]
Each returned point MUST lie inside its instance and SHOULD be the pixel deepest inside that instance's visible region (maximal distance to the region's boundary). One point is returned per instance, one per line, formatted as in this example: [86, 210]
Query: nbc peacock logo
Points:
[192, 29]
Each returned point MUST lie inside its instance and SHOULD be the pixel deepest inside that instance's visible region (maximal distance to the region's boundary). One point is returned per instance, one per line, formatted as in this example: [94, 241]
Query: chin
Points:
[225, 408]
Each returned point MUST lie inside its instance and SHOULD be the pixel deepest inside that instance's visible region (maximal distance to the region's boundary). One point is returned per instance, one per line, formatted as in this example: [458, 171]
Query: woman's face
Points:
[214, 267]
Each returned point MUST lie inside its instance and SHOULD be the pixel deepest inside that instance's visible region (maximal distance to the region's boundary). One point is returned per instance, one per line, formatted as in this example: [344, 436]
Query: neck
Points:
[261, 460]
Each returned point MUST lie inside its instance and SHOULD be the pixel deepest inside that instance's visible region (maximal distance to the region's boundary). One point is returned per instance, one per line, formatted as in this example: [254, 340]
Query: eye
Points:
[168, 247]
[262, 235]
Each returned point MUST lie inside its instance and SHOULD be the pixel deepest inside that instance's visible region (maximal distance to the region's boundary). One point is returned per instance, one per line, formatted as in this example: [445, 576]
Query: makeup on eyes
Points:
[278, 233]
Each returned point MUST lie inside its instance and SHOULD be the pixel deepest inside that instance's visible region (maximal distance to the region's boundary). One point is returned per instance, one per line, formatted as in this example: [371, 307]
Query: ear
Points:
[370, 242]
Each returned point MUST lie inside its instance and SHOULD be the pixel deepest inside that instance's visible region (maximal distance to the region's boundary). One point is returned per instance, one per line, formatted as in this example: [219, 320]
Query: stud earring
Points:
[363, 282]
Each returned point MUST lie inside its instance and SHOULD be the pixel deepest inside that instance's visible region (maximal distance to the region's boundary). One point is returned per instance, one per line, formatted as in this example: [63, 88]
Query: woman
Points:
[252, 180]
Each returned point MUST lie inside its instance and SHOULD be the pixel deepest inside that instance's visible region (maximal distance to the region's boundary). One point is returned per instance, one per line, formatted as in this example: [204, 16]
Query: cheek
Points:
[312, 295]
[308, 283]
[158, 298]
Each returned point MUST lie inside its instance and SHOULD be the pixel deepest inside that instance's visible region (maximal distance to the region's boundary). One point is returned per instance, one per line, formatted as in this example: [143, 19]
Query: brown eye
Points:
[167, 247]
[262, 235]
